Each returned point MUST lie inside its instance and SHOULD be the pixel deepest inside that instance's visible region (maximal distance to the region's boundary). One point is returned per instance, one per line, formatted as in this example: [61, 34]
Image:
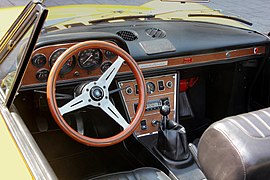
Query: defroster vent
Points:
[127, 35]
[155, 33]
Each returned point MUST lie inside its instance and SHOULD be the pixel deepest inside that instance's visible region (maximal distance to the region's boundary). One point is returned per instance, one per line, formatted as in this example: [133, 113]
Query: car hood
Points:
[62, 17]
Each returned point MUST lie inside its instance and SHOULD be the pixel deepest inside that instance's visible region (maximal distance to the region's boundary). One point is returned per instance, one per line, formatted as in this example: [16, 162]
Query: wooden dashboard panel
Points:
[80, 74]
[76, 73]
[166, 95]
[202, 58]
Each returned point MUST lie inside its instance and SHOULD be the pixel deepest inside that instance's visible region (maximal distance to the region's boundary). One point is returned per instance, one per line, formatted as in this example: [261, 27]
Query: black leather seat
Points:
[145, 173]
[237, 147]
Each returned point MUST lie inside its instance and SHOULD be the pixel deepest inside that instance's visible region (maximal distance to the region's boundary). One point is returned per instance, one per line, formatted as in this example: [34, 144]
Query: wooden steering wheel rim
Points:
[51, 87]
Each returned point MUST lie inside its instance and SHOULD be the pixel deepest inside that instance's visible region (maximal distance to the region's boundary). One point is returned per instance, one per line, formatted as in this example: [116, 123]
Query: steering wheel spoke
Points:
[111, 72]
[110, 109]
[75, 104]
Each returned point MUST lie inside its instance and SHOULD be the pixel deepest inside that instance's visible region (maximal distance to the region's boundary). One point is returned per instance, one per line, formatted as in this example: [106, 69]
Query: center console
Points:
[161, 91]
[158, 130]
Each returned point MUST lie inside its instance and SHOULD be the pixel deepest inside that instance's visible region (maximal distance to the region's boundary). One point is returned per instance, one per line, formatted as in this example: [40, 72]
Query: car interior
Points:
[189, 76]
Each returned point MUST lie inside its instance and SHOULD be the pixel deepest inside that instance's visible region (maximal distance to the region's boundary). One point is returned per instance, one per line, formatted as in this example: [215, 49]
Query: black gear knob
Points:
[165, 110]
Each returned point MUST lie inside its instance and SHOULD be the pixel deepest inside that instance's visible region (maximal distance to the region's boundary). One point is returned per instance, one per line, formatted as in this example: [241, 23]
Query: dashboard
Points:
[93, 62]
[183, 45]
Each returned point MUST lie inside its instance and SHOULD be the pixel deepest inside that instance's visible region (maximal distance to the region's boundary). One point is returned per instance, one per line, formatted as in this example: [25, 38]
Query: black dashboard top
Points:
[166, 38]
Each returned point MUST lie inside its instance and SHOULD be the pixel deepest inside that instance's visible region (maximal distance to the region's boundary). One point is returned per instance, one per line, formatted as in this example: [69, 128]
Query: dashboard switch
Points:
[161, 86]
[136, 89]
[143, 125]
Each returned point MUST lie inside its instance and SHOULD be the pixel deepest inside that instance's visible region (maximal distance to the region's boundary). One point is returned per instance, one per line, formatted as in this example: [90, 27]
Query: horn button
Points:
[96, 93]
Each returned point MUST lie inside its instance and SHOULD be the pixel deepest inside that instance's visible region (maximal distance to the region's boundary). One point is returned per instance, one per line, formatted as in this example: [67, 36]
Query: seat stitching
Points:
[261, 120]
[238, 152]
[252, 125]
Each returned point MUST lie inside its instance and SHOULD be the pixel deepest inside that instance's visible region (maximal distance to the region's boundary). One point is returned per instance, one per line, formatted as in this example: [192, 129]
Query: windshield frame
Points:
[33, 16]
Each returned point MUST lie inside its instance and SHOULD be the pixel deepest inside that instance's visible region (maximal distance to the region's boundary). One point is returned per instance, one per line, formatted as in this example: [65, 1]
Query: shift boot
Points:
[172, 140]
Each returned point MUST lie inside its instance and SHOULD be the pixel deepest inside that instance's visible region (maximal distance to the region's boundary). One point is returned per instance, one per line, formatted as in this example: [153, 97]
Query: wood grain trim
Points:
[203, 58]
[150, 128]
[30, 75]
[131, 99]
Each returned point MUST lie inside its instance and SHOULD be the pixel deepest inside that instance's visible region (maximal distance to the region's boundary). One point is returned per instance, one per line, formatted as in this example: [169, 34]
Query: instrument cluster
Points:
[88, 60]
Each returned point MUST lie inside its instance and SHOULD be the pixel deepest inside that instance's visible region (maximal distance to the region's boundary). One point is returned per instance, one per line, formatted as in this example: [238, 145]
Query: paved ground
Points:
[256, 12]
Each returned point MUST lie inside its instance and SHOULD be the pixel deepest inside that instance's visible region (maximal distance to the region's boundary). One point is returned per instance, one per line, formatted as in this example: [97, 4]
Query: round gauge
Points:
[150, 87]
[105, 66]
[42, 75]
[68, 66]
[90, 59]
[109, 55]
[39, 60]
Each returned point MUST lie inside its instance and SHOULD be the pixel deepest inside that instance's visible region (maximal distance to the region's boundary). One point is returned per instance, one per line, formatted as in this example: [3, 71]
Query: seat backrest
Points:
[237, 147]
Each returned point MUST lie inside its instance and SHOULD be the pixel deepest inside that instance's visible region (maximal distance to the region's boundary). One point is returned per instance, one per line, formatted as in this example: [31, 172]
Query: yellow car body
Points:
[86, 12]
[13, 165]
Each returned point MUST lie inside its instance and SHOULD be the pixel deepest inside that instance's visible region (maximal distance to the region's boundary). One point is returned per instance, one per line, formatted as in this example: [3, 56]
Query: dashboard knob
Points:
[129, 90]
[169, 84]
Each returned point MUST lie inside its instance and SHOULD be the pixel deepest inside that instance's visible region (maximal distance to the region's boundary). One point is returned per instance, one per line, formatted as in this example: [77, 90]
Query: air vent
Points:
[127, 35]
[155, 33]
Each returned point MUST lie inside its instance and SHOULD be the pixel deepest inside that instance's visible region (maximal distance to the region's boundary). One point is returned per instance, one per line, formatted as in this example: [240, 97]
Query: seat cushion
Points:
[237, 147]
[145, 173]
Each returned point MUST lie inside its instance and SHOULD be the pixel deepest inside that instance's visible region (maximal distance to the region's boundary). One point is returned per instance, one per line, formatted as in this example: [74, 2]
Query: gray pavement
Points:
[256, 12]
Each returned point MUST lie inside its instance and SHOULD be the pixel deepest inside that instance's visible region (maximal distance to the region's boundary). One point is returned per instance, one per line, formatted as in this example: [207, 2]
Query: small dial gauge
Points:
[150, 87]
[68, 66]
[110, 55]
[105, 66]
[90, 59]
[42, 75]
[39, 60]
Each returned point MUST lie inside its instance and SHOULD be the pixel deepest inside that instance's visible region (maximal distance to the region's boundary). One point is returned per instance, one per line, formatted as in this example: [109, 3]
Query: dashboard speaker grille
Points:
[127, 35]
[155, 33]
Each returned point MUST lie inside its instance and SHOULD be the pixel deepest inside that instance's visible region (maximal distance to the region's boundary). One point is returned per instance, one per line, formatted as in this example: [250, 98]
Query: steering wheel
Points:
[96, 94]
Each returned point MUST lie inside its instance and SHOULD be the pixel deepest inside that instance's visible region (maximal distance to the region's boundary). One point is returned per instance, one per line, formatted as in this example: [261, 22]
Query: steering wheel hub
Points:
[96, 93]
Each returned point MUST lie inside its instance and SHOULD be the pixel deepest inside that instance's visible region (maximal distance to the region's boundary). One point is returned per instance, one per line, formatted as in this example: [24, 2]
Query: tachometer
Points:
[68, 66]
[90, 59]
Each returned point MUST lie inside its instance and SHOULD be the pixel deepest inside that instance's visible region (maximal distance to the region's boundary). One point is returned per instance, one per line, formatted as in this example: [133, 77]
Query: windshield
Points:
[67, 14]
[16, 47]
[75, 14]
[9, 67]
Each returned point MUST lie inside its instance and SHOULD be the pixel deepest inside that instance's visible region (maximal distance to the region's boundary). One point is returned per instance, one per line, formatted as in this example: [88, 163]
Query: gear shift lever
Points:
[172, 141]
[164, 111]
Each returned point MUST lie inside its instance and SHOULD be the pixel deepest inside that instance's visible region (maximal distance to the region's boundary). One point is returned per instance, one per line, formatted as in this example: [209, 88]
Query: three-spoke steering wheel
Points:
[96, 94]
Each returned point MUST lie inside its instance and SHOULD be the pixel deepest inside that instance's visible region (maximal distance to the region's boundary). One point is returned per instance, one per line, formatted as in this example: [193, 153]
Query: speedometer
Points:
[90, 59]
[68, 66]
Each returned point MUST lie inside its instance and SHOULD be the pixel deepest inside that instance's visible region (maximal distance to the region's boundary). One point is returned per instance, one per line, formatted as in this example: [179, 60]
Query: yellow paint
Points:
[7, 17]
[86, 12]
[12, 164]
